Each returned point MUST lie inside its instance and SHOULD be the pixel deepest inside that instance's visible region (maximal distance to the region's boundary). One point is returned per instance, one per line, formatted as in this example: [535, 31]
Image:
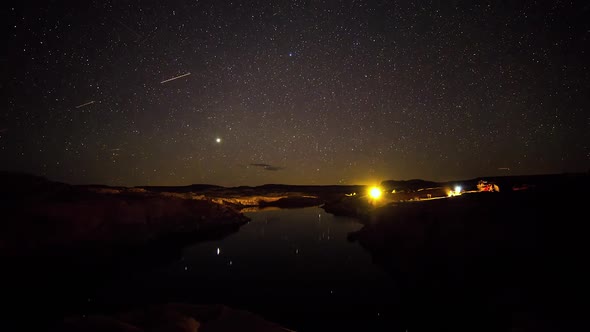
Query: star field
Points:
[319, 92]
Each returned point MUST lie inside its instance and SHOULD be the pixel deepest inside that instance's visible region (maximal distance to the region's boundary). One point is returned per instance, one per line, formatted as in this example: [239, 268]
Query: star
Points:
[361, 103]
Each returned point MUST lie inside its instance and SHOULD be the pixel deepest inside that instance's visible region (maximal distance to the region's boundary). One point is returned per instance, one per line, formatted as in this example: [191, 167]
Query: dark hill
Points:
[195, 188]
[413, 184]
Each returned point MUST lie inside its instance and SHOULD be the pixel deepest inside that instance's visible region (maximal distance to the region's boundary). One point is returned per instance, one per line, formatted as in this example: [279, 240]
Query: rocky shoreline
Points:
[173, 317]
[452, 257]
[41, 215]
[57, 236]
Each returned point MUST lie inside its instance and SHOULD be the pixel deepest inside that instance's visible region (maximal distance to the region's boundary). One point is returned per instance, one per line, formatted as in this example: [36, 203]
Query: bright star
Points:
[218, 140]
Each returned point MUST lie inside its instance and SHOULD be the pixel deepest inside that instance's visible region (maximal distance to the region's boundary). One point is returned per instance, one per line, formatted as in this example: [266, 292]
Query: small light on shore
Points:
[456, 192]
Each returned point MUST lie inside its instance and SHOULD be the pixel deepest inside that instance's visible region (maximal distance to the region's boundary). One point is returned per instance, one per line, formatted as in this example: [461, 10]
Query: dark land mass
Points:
[174, 317]
[59, 241]
[483, 261]
[506, 183]
[42, 215]
[512, 260]
[196, 188]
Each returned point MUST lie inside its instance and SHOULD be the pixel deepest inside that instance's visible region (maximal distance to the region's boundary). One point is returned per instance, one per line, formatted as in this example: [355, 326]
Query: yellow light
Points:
[375, 193]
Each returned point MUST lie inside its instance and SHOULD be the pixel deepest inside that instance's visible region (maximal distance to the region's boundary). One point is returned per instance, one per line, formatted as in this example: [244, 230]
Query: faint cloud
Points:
[273, 168]
[268, 167]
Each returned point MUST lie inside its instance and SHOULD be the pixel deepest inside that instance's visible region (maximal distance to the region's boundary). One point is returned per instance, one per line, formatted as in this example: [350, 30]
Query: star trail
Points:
[317, 92]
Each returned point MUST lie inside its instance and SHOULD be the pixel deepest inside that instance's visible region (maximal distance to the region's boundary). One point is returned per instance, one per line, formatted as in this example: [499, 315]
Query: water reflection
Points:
[259, 209]
[295, 267]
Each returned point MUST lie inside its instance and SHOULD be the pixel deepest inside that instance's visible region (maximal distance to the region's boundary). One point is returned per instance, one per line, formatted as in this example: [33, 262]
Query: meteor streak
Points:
[174, 78]
[86, 104]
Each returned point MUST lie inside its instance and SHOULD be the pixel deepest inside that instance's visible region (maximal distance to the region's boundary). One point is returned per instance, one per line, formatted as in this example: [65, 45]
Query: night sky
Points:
[297, 92]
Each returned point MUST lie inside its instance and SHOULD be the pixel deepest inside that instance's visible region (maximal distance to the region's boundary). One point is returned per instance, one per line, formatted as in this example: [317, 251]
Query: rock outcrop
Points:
[175, 317]
[38, 214]
[486, 262]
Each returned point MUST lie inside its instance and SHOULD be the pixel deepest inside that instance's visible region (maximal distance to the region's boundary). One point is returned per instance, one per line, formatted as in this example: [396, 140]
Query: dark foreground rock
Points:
[60, 243]
[40, 214]
[355, 206]
[174, 317]
[486, 262]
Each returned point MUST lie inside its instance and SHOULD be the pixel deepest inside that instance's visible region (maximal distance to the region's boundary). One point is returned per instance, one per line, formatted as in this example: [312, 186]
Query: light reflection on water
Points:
[286, 265]
[253, 209]
[305, 243]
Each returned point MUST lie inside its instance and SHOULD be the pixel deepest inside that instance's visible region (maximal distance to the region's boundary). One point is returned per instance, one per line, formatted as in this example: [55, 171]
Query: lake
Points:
[291, 266]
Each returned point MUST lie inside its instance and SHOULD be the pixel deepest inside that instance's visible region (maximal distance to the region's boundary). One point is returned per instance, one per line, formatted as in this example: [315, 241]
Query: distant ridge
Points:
[21, 181]
[183, 189]
[413, 184]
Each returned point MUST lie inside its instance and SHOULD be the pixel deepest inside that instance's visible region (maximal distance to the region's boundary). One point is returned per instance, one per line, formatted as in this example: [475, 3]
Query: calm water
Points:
[295, 267]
